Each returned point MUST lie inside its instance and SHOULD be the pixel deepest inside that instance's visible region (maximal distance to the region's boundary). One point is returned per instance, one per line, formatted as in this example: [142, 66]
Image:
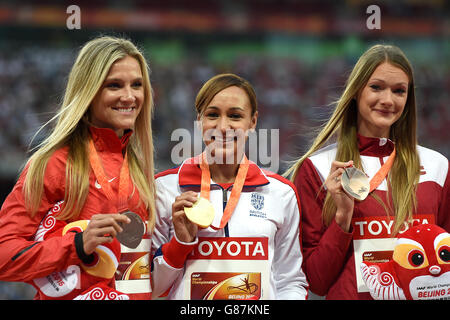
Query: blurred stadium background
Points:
[297, 54]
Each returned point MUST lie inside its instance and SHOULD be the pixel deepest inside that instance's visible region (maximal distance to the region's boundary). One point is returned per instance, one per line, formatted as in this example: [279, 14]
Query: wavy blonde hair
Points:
[71, 129]
[342, 124]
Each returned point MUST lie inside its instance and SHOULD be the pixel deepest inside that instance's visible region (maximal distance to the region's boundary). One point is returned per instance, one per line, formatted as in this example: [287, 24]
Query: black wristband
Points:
[79, 247]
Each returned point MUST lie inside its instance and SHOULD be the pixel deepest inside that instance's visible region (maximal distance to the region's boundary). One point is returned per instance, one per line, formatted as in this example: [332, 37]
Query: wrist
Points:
[343, 219]
[175, 251]
[79, 247]
[186, 242]
[184, 237]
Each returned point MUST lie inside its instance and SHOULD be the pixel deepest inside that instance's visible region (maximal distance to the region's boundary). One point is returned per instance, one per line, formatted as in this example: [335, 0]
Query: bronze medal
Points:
[132, 232]
[201, 213]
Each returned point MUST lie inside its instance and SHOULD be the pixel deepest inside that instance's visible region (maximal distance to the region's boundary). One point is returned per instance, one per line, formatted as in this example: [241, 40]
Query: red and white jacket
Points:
[24, 259]
[329, 260]
[275, 217]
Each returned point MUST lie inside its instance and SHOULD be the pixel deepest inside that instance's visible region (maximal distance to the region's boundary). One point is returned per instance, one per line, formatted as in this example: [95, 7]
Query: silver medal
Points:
[355, 183]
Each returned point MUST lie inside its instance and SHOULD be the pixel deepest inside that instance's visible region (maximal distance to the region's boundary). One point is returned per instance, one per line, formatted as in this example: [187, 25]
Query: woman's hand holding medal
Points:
[99, 226]
[344, 203]
[185, 230]
[346, 183]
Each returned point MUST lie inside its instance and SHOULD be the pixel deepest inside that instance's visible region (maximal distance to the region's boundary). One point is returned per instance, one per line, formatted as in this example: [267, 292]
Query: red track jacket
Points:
[329, 256]
[21, 258]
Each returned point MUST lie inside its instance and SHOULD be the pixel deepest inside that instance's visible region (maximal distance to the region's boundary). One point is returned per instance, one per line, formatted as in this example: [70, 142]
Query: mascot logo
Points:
[419, 269]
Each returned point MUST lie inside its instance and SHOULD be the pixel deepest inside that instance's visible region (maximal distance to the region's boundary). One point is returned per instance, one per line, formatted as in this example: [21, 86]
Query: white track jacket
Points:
[268, 208]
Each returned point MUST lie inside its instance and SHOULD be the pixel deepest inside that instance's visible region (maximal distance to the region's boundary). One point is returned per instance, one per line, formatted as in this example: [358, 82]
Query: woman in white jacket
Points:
[251, 250]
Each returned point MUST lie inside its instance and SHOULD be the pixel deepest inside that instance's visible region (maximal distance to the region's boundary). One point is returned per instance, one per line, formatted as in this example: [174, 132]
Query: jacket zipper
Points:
[224, 201]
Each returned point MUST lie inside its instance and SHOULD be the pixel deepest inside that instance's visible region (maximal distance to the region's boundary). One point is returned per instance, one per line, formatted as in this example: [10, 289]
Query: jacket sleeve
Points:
[324, 248]
[287, 262]
[22, 258]
[169, 254]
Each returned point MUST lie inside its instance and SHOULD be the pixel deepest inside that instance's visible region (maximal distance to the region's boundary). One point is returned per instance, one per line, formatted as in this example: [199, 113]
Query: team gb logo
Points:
[257, 201]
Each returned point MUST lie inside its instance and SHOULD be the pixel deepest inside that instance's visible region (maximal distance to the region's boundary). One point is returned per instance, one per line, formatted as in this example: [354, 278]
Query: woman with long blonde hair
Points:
[372, 128]
[104, 119]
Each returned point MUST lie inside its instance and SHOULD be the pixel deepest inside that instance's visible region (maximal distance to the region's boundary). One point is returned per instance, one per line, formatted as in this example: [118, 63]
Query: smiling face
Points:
[119, 100]
[225, 122]
[382, 100]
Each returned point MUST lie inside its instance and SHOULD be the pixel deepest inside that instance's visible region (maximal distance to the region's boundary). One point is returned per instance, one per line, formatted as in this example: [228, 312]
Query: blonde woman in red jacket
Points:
[375, 116]
[105, 119]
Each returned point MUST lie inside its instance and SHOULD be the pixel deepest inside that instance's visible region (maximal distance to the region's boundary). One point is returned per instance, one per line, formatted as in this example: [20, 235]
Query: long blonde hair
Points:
[405, 172]
[71, 129]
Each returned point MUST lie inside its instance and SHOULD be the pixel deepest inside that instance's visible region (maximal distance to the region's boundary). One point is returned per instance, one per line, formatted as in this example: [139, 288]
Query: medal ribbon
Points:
[121, 200]
[382, 173]
[235, 192]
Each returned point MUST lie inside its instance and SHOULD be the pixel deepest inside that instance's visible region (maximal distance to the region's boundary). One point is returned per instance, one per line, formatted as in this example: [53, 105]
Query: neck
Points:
[223, 173]
[374, 133]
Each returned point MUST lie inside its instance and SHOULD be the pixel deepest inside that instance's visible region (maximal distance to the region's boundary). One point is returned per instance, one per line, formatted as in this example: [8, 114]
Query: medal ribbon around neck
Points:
[235, 192]
[382, 173]
[121, 200]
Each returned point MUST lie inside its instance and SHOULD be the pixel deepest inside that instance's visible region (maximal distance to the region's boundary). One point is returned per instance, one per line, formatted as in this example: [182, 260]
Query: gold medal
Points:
[201, 213]
[355, 183]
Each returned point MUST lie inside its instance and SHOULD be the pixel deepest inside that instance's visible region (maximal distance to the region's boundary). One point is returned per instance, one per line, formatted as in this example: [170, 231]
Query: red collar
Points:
[190, 174]
[106, 139]
[375, 147]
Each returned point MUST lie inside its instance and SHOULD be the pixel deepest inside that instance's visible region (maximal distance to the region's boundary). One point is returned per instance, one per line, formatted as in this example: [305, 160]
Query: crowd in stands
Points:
[293, 96]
